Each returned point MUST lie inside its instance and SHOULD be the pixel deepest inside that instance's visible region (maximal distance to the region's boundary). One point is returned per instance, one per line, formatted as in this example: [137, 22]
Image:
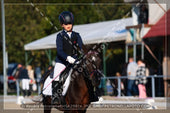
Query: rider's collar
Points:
[68, 33]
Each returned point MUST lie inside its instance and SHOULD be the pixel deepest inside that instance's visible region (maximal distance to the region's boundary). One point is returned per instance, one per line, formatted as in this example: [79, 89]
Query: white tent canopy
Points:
[107, 31]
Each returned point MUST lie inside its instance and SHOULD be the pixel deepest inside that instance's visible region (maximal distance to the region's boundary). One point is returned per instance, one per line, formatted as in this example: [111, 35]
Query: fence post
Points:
[153, 87]
[119, 89]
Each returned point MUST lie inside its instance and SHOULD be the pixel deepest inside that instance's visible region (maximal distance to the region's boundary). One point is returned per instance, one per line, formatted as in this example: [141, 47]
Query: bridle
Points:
[92, 63]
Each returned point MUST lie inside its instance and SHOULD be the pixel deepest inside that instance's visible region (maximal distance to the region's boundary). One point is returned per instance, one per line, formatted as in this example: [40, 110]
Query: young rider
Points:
[66, 54]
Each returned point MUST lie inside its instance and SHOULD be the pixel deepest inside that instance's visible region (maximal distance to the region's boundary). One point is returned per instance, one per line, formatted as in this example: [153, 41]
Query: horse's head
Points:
[93, 64]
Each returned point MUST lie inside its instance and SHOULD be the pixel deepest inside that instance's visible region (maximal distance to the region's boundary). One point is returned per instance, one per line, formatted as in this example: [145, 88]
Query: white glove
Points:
[71, 60]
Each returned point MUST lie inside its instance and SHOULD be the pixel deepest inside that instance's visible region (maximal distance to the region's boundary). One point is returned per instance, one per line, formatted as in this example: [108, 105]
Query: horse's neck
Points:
[78, 83]
[79, 79]
[78, 91]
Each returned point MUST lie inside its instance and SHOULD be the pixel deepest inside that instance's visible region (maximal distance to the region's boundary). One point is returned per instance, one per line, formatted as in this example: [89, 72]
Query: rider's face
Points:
[67, 27]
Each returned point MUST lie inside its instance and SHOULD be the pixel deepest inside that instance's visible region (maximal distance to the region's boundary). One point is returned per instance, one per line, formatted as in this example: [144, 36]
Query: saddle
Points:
[63, 76]
[63, 84]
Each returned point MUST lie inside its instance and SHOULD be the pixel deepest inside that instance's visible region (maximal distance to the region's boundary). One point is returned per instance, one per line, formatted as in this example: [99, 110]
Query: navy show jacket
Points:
[61, 55]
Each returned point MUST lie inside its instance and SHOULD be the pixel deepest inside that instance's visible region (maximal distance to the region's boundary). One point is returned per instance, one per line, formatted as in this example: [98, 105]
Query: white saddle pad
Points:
[48, 90]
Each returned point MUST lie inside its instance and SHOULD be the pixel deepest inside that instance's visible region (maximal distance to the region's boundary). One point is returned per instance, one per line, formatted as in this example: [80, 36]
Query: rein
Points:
[94, 69]
[92, 73]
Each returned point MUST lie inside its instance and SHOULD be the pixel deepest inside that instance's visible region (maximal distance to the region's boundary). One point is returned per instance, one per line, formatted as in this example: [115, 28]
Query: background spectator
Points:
[141, 79]
[38, 73]
[109, 87]
[38, 77]
[18, 71]
[115, 85]
[25, 81]
[124, 73]
[31, 74]
[31, 77]
[131, 71]
[143, 15]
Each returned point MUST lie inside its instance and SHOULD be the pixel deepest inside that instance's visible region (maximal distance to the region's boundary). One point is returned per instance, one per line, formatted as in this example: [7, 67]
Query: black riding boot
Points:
[56, 92]
[24, 93]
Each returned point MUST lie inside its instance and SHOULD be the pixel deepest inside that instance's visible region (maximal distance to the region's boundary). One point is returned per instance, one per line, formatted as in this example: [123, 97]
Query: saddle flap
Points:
[64, 75]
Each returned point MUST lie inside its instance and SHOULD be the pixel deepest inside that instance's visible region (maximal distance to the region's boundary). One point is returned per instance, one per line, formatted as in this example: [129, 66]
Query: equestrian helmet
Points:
[66, 17]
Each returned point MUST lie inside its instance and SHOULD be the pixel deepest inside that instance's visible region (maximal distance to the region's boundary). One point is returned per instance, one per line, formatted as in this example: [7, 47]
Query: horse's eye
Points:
[93, 58]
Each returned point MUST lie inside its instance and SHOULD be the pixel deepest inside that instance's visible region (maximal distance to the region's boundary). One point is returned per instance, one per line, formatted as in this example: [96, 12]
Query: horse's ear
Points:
[87, 48]
[98, 47]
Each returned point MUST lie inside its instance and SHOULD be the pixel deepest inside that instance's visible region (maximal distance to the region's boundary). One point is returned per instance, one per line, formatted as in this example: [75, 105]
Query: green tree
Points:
[25, 24]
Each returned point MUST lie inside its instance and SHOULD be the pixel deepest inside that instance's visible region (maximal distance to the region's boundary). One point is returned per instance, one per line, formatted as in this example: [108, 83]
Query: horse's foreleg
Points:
[82, 111]
[47, 104]
[47, 109]
[75, 111]
[72, 111]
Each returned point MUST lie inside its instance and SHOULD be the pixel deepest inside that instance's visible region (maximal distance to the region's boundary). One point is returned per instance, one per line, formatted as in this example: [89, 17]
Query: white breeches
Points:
[57, 70]
[47, 88]
[25, 84]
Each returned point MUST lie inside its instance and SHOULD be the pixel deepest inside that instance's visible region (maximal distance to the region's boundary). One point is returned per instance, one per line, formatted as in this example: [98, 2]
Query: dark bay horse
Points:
[77, 96]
